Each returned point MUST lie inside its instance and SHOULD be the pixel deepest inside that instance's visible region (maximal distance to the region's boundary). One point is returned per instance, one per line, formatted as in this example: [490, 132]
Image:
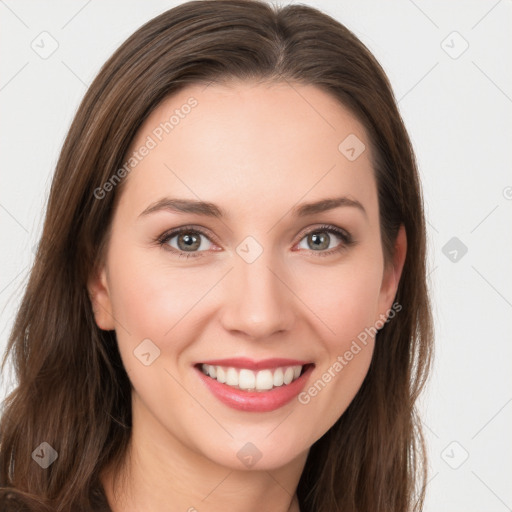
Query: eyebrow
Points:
[207, 209]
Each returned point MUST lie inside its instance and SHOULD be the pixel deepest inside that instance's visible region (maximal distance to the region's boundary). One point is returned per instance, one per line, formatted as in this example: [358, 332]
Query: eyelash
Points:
[345, 237]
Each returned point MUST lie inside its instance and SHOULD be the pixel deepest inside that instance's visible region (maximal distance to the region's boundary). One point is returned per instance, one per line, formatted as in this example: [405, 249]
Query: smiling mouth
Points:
[261, 380]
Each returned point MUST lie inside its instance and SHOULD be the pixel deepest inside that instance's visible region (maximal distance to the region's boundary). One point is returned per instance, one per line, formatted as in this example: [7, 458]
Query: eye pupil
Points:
[190, 241]
[320, 240]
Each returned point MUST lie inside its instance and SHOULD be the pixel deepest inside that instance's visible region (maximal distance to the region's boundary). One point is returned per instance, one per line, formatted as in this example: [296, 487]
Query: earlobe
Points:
[99, 295]
[393, 272]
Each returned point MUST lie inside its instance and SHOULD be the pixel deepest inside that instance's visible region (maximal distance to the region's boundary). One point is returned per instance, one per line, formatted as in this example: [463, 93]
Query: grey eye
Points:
[319, 240]
[189, 241]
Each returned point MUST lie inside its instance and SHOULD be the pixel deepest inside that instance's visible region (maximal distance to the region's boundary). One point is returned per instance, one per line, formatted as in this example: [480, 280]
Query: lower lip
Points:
[256, 401]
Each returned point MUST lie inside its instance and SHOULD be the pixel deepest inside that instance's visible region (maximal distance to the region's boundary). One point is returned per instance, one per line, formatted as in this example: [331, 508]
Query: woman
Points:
[228, 308]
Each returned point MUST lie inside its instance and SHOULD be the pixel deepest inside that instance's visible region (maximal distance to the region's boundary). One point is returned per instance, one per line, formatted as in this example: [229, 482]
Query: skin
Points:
[256, 150]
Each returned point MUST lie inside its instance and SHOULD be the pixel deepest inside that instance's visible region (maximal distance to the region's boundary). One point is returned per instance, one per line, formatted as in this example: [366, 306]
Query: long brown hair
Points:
[72, 390]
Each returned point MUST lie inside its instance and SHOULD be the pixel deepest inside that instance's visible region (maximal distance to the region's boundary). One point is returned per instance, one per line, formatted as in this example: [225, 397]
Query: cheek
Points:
[154, 290]
[153, 301]
[347, 307]
[345, 299]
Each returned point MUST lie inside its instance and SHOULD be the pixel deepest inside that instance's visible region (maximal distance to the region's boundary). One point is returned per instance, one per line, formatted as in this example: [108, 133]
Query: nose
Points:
[258, 301]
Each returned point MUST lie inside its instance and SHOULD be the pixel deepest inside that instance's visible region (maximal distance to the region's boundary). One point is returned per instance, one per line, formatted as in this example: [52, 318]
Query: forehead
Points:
[250, 143]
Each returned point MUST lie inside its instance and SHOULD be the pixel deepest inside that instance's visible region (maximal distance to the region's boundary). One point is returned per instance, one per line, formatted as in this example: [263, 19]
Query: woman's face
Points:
[267, 275]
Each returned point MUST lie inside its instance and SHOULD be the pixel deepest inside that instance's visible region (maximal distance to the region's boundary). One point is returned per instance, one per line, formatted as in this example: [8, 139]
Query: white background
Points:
[458, 113]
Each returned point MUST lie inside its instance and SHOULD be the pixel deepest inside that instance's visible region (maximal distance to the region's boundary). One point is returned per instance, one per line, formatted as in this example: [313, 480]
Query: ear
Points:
[392, 273]
[100, 299]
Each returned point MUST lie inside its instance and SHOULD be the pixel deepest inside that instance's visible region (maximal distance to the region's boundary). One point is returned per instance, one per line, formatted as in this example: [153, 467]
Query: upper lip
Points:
[250, 364]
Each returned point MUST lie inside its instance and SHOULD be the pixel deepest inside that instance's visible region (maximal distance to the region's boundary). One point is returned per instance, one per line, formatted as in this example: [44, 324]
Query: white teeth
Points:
[262, 380]
[246, 379]
[232, 377]
[221, 375]
[288, 375]
[278, 377]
